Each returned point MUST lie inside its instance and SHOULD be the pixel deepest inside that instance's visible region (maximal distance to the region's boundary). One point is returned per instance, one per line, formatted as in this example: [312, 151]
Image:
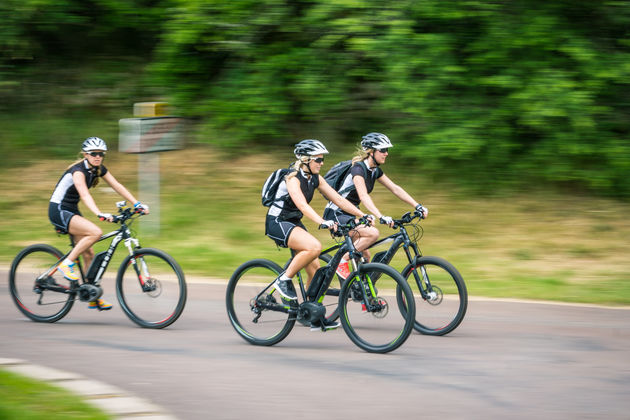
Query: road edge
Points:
[112, 400]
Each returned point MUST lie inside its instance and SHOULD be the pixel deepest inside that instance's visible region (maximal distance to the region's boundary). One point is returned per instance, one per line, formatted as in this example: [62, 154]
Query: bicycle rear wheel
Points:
[374, 319]
[157, 297]
[442, 304]
[258, 315]
[46, 300]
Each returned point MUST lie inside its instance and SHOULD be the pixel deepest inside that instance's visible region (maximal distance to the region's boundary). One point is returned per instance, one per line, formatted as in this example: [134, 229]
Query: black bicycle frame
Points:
[123, 233]
[347, 246]
[400, 238]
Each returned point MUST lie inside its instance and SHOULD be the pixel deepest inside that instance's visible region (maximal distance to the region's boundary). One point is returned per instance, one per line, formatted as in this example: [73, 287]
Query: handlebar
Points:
[407, 218]
[126, 214]
[343, 230]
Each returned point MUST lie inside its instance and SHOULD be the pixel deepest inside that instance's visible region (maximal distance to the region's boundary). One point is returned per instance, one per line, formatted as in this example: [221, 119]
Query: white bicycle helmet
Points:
[93, 143]
[309, 147]
[376, 141]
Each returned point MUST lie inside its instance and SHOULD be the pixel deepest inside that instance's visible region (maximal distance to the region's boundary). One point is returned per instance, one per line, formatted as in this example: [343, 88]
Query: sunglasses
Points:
[99, 154]
[383, 150]
[318, 160]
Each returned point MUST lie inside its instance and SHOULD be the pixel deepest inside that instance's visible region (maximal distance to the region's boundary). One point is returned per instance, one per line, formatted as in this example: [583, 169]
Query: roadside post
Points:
[149, 132]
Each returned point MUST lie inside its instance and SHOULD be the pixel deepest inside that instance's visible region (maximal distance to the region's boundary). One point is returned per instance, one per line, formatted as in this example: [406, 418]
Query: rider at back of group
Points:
[356, 188]
[63, 209]
[283, 222]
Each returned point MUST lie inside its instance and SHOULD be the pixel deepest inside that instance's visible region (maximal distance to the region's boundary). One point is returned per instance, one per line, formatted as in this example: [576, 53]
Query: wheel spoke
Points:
[43, 298]
[155, 301]
[251, 304]
[375, 319]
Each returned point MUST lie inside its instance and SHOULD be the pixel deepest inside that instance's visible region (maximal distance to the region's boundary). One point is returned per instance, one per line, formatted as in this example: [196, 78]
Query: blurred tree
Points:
[486, 92]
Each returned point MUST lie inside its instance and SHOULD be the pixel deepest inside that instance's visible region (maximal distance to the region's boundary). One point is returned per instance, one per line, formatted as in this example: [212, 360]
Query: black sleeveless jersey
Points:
[286, 208]
[65, 192]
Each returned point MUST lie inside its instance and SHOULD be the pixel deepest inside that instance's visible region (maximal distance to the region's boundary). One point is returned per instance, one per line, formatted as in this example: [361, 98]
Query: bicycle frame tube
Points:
[334, 262]
[385, 240]
[122, 233]
[330, 249]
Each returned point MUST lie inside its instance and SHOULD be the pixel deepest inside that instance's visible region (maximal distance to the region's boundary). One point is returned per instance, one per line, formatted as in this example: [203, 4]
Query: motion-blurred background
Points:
[509, 120]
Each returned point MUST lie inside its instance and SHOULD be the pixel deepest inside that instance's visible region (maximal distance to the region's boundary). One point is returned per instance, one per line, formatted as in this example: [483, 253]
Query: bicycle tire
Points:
[262, 327]
[162, 299]
[445, 309]
[48, 305]
[388, 326]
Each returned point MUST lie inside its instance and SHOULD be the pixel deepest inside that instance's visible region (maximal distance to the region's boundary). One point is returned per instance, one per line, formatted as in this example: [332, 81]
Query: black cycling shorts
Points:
[60, 217]
[279, 230]
[337, 216]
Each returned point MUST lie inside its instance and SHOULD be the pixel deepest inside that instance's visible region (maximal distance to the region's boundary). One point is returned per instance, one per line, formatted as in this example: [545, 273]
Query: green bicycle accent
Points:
[440, 293]
[256, 311]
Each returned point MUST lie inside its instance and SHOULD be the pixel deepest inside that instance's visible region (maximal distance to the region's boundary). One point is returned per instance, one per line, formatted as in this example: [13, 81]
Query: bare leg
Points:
[85, 234]
[362, 238]
[307, 249]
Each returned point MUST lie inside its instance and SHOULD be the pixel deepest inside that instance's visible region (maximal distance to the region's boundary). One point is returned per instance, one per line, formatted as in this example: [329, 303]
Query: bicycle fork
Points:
[364, 287]
[139, 265]
[424, 284]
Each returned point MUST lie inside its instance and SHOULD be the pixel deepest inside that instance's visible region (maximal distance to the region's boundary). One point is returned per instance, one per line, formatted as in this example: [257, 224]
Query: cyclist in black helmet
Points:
[284, 224]
[63, 209]
[357, 187]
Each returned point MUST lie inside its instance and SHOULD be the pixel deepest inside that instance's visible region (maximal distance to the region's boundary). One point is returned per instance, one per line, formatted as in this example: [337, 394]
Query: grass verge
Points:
[27, 399]
[521, 244]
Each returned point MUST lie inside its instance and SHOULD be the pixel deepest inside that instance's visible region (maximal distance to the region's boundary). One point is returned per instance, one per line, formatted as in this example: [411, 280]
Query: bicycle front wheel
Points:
[374, 319]
[47, 299]
[254, 306]
[155, 297]
[440, 294]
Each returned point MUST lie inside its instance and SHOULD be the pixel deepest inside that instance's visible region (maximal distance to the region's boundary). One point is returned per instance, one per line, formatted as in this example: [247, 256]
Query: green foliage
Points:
[488, 93]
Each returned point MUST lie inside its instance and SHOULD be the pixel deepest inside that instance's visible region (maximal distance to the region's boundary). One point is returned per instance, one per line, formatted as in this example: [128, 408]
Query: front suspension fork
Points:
[142, 270]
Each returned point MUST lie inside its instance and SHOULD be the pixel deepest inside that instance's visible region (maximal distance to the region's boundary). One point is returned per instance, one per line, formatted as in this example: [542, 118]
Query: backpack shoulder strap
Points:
[351, 186]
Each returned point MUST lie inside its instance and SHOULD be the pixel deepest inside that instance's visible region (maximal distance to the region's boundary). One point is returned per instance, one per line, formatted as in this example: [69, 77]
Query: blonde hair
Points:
[361, 154]
[81, 158]
[295, 166]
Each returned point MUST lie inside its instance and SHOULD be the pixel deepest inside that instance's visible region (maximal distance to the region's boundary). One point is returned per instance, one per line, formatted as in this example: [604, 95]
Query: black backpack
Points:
[270, 187]
[336, 175]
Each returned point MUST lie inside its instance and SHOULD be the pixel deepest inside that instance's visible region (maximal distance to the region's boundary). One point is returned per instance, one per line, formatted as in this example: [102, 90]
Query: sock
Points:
[68, 262]
[284, 278]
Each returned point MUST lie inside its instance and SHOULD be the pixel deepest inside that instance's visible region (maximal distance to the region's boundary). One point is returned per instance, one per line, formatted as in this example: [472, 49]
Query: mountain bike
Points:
[376, 321]
[150, 285]
[441, 297]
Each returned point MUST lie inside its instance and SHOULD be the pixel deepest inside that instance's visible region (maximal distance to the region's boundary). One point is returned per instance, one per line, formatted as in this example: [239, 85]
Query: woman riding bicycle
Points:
[63, 209]
[284, 225]
[358, 185]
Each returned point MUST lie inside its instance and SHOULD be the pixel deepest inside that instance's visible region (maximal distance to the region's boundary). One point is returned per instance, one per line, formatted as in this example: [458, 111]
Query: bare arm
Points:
[334, 196]
[397, 190]
[79, 183]
[119, 188]
[293, 186]
[364, 196]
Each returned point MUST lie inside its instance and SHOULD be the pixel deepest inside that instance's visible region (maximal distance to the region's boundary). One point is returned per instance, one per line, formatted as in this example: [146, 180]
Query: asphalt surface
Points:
[507, 359]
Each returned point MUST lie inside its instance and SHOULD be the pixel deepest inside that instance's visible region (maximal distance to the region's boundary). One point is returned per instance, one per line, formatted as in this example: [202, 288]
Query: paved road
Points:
[507, 359]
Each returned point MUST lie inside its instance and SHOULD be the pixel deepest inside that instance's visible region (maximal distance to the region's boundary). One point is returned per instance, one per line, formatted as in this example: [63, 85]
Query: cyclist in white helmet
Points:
[63, 209]
[284, 225]
[358, 185]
